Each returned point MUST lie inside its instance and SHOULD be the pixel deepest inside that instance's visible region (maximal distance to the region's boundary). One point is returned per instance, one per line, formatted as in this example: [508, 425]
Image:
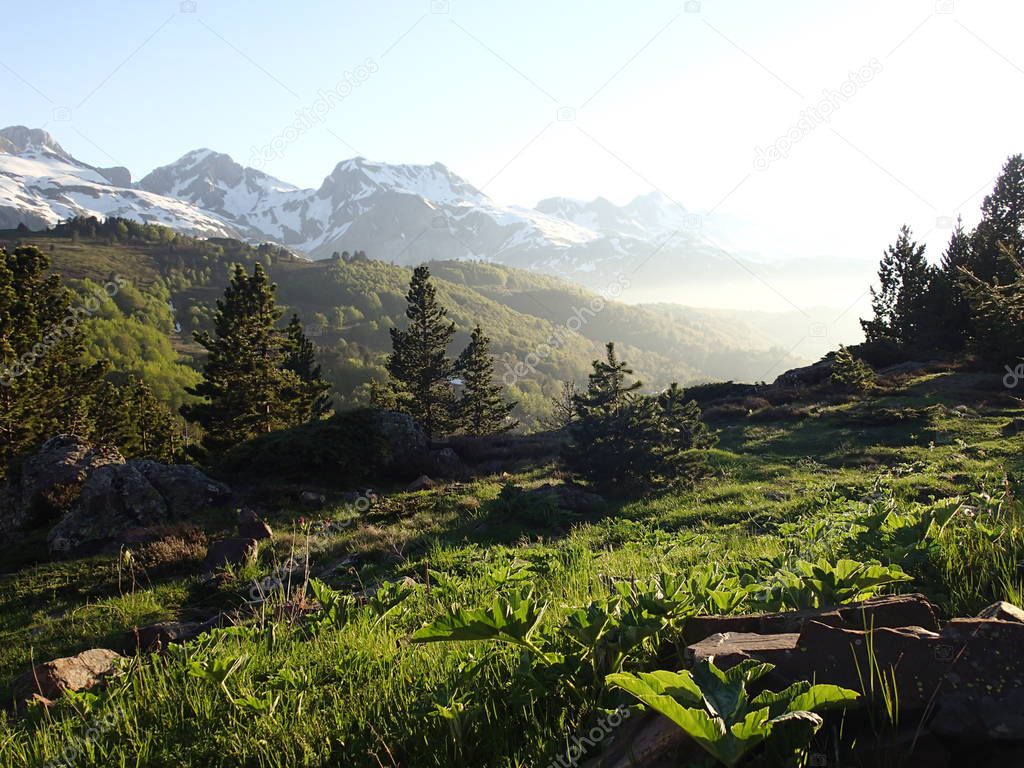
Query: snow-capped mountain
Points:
[407, 214]
[40, 184]
[401, 212]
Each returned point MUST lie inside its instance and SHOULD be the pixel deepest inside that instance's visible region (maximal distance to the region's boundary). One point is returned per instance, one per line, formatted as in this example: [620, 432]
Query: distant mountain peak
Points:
[19, 138]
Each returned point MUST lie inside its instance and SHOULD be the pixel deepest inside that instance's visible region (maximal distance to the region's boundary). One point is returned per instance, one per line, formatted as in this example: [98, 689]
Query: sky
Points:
[893, 112]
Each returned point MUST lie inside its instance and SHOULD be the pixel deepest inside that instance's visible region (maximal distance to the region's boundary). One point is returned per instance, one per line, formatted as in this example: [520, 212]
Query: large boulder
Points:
[49, 481]
[184, 488]
[112, 499]
[70, 673]
[405, 442]
[233, 552]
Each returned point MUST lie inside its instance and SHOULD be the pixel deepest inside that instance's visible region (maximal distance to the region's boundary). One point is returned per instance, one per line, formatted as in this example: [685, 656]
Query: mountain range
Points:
[408, 214]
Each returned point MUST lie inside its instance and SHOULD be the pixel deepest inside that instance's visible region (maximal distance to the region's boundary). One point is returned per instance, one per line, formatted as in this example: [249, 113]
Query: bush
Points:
[851, 374]
[348, 448]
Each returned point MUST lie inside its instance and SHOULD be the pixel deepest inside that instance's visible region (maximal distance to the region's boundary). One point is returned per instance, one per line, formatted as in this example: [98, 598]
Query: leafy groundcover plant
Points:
[714, 708]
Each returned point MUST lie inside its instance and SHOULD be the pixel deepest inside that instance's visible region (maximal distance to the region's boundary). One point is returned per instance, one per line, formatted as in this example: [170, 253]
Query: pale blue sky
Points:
[666, 96]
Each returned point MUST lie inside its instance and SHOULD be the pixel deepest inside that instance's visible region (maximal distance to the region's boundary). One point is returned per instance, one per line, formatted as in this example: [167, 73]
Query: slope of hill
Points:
[544, 330]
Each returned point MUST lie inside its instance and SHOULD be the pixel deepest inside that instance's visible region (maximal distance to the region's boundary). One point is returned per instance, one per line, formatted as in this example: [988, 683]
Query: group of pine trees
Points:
[423, 377]
[972, 301]
[625, 440]
[258, 377]
[47, 388]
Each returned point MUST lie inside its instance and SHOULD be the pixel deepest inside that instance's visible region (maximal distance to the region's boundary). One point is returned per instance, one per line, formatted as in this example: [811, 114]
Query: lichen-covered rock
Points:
[112, 499]
[406, 444]
[50, 480]
[184, 488]
[1003, 611]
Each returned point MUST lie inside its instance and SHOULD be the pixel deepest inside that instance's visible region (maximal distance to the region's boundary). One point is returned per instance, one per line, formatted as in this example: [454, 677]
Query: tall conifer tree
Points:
[481, 410]
[419, 365]
[247, 389]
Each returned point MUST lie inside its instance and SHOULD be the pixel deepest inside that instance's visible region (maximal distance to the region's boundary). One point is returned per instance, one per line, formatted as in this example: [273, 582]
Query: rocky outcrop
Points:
[405, 442]
[94, 495]
[49, 481]
[184, 488]
[71, 673]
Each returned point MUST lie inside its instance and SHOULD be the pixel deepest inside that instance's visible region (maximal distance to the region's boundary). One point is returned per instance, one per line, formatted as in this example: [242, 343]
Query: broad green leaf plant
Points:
[714, 708]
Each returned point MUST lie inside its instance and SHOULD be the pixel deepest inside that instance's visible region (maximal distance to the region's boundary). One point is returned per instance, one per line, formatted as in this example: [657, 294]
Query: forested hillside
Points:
[543, 330]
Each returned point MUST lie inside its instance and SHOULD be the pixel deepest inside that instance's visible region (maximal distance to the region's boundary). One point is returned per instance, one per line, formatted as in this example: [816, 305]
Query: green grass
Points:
[360, 694]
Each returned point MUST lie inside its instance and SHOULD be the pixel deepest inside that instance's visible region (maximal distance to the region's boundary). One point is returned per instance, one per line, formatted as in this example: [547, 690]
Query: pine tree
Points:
[419, 365]
[1001, 226]
[902, 305]
[849, 373]
[952, 311]
[313, 400]
[44, 388]
[606, 386]
[627, 441]
[481, 410]
[563, 407]
[246, 388]
[998, 315]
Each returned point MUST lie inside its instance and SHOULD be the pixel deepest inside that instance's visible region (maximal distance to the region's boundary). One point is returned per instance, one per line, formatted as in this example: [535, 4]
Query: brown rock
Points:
[233, 552]
[421, 483]
[1003, 611]
[157, 636]
[252, 526]
[893, 611]
[70, 673]
[730, 648]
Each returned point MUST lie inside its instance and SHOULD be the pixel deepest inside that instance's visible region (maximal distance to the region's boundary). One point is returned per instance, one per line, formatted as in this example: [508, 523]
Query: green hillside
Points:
[544, 330]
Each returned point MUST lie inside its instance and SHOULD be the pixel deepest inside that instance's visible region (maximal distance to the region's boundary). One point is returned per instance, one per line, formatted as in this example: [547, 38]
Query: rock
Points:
[405, 443]
[112, 499]
[568, 497]
[184, 488]
[422, 483]
[729, 648]
[890, 611]
[1014, 427]
[50, 480]
[444, 462]
[158, 636]
[70, 673]
[233, 552]
[808, 375]
[1003, 611]
[252, 526]
[312, 500]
